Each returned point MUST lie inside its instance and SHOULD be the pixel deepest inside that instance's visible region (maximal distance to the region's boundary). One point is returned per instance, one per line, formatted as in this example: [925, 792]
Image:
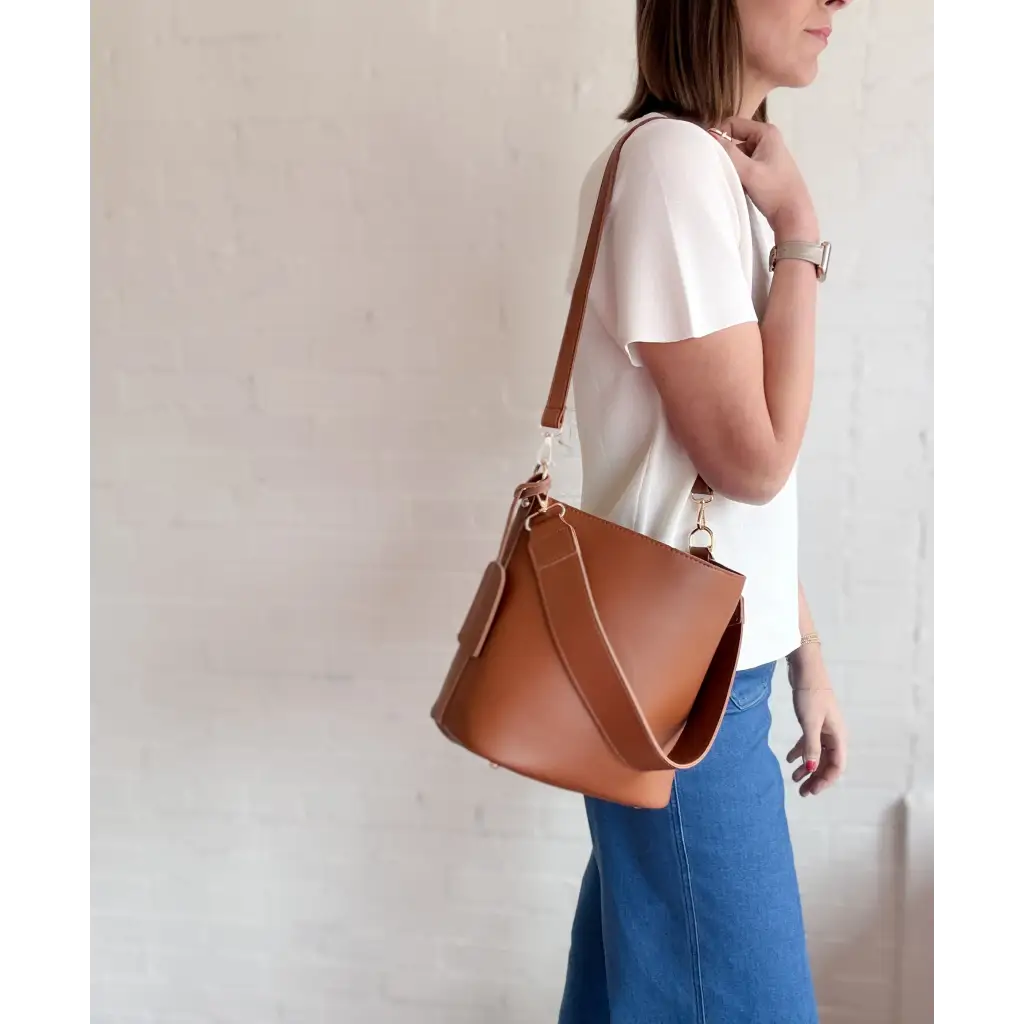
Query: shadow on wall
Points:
[846, 973]
[918, 974]
[871, 949]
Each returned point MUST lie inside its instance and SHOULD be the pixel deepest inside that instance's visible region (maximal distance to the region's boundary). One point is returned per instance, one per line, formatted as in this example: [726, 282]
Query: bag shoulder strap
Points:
[558, 394]
[596, 673]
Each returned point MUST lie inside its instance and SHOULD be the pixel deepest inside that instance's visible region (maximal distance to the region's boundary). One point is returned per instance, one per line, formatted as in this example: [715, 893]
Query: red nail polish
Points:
[812, 765]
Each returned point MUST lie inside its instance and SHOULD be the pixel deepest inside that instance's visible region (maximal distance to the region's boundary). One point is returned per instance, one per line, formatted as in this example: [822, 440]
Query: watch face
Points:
[826, 256]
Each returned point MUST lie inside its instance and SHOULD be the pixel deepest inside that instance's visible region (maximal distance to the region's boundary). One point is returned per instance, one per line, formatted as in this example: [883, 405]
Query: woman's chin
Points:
[799, 77]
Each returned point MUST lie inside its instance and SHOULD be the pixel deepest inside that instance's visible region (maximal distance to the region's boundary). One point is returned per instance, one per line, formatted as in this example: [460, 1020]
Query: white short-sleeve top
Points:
[684, 254]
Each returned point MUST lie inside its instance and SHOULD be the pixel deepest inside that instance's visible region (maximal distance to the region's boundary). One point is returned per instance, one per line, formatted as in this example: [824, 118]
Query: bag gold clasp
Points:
[703, 500]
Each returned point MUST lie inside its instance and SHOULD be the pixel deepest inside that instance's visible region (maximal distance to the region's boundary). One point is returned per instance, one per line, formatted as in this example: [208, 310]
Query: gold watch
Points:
[817, 253]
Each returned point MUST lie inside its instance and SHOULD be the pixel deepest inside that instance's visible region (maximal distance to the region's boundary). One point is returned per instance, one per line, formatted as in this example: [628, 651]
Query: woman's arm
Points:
[822, 747]
[806, 619]
[738, 400]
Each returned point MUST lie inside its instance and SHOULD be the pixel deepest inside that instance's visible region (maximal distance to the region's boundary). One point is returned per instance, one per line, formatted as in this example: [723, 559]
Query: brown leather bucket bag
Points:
[593, 658]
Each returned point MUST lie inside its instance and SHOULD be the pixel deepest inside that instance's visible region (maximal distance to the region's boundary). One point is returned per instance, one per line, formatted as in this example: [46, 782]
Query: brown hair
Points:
[689, 61]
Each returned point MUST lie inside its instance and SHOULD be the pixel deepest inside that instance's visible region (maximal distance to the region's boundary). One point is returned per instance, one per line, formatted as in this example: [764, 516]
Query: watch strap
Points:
[816, 253]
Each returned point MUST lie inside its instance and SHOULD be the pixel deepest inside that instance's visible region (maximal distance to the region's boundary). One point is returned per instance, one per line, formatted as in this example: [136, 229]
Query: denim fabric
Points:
[691, 914]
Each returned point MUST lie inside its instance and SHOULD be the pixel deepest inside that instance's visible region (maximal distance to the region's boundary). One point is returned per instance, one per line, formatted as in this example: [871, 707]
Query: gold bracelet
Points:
[810, 638]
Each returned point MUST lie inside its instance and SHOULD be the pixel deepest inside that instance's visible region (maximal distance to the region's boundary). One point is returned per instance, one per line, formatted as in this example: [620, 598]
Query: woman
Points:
[696, 358]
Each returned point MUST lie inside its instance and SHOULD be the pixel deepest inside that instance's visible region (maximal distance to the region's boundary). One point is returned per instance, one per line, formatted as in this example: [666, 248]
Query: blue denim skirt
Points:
[691, 914]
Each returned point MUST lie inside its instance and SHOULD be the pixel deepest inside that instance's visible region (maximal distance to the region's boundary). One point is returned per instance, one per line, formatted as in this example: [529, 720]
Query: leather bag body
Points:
[593, 658]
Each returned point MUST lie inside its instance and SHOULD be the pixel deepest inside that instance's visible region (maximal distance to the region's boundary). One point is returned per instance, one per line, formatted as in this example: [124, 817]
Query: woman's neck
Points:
[754, 94]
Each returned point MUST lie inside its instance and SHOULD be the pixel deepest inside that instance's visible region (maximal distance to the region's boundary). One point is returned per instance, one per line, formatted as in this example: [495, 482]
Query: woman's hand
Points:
[822, 748]
[771, 178]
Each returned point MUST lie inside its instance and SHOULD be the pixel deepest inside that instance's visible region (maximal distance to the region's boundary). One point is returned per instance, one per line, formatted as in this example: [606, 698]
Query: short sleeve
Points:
[671, 263]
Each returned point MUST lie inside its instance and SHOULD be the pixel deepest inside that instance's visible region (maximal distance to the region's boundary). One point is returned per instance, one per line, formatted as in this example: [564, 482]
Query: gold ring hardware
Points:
[543, 510]
[711, 538]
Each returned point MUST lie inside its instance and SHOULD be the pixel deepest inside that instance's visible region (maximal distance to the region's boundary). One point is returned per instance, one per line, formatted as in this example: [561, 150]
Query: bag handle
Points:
[558, 394]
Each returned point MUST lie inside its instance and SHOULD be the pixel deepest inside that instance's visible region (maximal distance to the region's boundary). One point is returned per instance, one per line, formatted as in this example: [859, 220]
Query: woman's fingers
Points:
[746, 131]
[827, 773]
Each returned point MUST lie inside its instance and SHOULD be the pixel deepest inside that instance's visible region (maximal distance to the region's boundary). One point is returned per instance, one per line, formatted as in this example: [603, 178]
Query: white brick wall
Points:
[331, 240]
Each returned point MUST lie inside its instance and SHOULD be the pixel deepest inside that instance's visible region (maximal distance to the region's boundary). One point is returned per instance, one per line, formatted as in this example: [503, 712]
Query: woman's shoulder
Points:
[676, 146]
[667, 160]
[658, 131]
